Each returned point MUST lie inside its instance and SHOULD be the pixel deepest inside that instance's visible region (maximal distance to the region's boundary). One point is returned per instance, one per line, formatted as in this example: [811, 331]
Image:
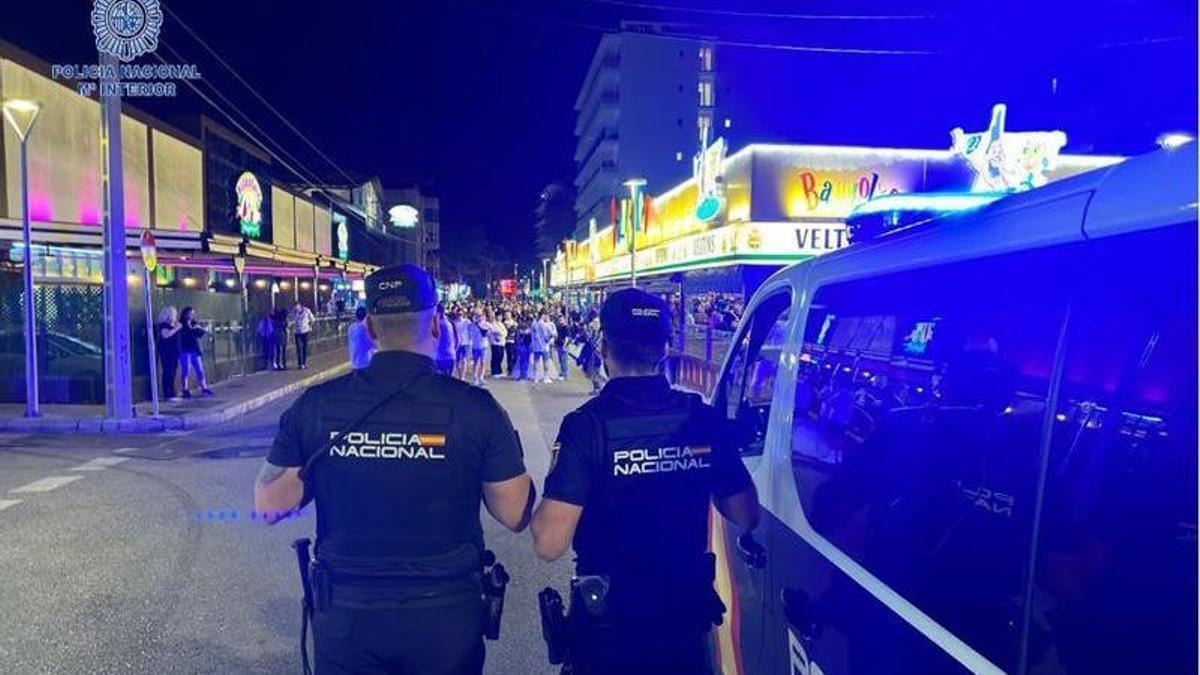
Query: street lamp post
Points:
[635, 186]
[21, 115]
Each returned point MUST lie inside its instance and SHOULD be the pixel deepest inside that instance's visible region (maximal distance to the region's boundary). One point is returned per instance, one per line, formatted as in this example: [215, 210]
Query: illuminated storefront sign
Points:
[708, 172]
[249, 205]
[342, 233]
[1008, 162]
[834, 194]
[761, 243]
[802, 195]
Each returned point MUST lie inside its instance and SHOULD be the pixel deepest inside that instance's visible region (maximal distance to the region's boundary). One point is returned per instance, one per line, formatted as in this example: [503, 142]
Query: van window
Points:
[1115, 576]
[750, 380]
[917, 426]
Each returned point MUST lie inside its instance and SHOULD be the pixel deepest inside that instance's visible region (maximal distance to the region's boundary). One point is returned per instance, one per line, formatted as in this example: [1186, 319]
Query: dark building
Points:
[554, 218]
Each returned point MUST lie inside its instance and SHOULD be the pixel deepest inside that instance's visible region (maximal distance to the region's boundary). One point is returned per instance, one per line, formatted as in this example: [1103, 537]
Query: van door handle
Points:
[751, 552]
[798, 610]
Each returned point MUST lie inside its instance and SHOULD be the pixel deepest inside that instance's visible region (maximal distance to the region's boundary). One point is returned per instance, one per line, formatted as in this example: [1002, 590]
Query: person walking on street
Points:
[302, 320]
[447, 344]
[510, 344]
[462, 349]
[280, 320]
[266, 338]
[542, 335]
[167, 334]
[639, 527]
[359, 340]
[190, 355]
[479, 343]
[497, 335]
[396, 574]
[562, 332]
[524, 341]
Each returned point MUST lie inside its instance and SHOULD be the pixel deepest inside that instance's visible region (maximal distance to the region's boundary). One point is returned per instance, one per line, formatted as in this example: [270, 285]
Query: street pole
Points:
[118, 387]
[153, 353]
[31, 366]
[149, 263]
[635, 207]
[316, 285]
[31, 369]
[21, 115]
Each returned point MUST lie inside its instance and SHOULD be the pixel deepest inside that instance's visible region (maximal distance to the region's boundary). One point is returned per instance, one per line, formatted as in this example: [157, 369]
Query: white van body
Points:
[978, 441]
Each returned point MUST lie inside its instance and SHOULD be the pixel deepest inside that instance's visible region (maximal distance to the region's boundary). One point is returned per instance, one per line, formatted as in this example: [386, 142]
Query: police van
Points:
[977, 440]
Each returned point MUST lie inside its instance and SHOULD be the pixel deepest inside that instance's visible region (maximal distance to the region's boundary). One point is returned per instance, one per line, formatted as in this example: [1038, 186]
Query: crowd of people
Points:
[179, 338]
[505, 339]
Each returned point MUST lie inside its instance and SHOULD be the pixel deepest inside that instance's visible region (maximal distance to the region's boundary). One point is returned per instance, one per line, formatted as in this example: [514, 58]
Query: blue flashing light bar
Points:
[889, 213]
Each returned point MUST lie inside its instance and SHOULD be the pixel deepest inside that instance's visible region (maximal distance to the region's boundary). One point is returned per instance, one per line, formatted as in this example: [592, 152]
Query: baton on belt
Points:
[304, 561]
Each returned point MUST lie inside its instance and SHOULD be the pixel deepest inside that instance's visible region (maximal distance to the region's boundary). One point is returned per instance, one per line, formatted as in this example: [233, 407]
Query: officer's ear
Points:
[435, 329]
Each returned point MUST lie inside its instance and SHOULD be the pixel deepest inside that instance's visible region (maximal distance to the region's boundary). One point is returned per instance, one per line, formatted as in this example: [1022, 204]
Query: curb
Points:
[143, 425]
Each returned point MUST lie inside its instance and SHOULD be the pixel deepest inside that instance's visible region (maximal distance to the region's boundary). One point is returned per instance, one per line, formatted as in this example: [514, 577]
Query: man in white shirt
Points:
[302, 320]
[478, 330]
[543, 334]
[360, 342]
[462, 343]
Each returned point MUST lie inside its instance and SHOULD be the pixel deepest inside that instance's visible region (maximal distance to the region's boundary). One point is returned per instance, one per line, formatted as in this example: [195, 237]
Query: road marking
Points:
[100, 463]
[47, 484]
[5, 503]
[121, 451]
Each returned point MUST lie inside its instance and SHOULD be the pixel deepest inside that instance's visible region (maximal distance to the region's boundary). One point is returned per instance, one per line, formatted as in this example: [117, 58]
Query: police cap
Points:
[632, 315]
[399, 289]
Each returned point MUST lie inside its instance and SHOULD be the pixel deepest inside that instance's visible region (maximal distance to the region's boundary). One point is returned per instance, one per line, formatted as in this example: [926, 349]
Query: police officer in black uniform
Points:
[398, 458]
[633, 474]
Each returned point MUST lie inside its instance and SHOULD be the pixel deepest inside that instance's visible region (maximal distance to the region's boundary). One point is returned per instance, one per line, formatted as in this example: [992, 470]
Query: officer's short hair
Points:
[637, 354]
[404, 324]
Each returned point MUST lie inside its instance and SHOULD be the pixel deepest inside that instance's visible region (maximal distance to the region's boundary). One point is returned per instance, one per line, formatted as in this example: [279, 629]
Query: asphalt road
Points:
[137, 553]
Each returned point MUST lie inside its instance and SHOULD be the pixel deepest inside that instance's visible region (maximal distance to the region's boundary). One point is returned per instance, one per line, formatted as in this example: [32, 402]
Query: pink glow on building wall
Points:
[89, 204]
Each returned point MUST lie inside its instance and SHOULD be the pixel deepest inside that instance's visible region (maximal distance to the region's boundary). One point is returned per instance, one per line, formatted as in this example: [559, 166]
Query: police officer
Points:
[405, 457]
[632, 476]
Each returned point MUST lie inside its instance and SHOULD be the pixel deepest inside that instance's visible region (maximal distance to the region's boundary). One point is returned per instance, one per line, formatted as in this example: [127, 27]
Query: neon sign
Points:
[249, 206]
[1008, 162]
[343, 236]
[708, 172]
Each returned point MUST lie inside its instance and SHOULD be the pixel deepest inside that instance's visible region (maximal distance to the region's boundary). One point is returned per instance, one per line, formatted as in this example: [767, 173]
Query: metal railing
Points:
[232, 348]
[697, 357]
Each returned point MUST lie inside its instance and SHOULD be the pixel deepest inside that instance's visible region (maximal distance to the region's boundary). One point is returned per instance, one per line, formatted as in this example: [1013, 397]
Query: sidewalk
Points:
[234, 397]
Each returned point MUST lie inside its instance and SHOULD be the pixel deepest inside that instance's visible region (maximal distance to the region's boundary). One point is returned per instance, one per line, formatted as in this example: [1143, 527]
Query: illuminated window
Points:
[706, 59]
[728, 123]
[704, 124]
[706, 94]
[678, 156]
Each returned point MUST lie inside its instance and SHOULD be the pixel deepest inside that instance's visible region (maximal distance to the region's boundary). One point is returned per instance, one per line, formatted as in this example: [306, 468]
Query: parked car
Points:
[70, 370]
[977, 441]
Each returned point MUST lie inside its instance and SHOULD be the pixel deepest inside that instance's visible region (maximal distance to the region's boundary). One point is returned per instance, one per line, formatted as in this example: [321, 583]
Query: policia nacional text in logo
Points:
[660, 460]
[390, 445]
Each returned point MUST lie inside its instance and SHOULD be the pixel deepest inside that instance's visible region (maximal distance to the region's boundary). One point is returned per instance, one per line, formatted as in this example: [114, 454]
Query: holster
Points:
[495, 583]
[555, 630]
[322, 585]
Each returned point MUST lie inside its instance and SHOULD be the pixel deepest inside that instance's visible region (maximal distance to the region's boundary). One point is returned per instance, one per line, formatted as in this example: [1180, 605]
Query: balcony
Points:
[609, 100]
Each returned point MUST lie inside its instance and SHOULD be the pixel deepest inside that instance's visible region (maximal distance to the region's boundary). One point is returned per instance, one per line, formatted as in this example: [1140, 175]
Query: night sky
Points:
[474, 98]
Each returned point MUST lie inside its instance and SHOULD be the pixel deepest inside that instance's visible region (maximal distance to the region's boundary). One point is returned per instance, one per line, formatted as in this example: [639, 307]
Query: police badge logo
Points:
[126, 28]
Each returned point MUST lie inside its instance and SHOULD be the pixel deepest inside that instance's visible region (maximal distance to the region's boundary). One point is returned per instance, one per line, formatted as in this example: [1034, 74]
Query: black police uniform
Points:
[644, 461]
[399, 539]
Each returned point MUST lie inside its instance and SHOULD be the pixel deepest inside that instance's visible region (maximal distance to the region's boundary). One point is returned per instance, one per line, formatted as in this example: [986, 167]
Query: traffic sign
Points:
[149, 250]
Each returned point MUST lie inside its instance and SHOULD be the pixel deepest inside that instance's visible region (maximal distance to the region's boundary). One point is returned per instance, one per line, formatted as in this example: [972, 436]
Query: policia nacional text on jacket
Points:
[406, 456]
[633, 474]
